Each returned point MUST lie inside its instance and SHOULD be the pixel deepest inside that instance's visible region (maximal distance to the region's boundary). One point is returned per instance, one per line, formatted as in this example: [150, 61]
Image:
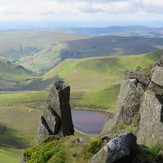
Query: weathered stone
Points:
[57, 117]
[157, 75]
[118, 148]
[52, 120]
[141, 103]
[127, 104]
[108, 137]
[42, 131]
[155, 88]
[22, 159]
[141, 78]
[159, 158]
[80, 139]
[150, 125]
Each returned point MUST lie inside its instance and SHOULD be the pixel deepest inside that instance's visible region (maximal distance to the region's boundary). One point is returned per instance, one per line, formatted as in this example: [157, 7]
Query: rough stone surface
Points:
[141, 99]
[22, 159]
[159, 158]
[118, 148]
[80, 139]
[57, 119]
[157, 75]
[150, 125]
[108, 137]
[127, 104]
[42, 131]
[141, 78]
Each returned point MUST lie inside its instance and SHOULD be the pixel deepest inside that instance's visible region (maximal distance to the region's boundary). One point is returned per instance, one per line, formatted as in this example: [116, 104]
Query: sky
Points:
[86, 12]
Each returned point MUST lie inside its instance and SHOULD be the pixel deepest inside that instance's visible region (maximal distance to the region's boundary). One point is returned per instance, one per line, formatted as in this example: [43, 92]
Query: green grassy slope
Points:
[39, 51]
[17, 44]
[35, 50]
[94, 80]
[44, 60]
[9, 155]
[19, 119]
[92, 73]
[13, 75]
[111, 45]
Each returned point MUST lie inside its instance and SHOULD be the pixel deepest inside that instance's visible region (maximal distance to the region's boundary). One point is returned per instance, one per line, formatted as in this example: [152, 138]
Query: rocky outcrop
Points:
[128, 103]
[57, 119]
[141, 100]
[151, 125]
[120, 149]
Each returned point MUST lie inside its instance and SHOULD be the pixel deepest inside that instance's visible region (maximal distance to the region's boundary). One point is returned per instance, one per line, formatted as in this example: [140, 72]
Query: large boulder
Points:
[122, 147]
[140, 102]
[57, 119]
[128, 102]
[157, 75]
[150, 126]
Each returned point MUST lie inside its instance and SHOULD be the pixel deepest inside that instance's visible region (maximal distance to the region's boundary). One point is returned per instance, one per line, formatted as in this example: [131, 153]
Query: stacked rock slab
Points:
[141, 98]
[57, 119]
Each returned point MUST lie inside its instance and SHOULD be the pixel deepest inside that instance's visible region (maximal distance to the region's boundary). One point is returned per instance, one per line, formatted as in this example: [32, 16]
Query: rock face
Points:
[119, 148]
[128, 102]
[57, 119]
[141, 99]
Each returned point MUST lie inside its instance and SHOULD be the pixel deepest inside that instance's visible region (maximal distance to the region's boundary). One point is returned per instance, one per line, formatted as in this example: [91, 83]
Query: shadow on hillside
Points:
[8, 137]
[38, 84]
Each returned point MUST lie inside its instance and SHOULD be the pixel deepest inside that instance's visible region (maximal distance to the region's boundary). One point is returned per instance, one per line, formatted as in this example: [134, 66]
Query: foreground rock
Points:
[57, 119]
[159, 158]
[121, 149]
[140, 105]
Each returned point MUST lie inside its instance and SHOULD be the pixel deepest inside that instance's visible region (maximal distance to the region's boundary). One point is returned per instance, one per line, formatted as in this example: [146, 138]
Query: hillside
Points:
[110, 45]
[94, 81]
[91, 47]
[20, 112]
[18, 44]
[33, 47]
[13, 75]
[99, 70]
[39, 51]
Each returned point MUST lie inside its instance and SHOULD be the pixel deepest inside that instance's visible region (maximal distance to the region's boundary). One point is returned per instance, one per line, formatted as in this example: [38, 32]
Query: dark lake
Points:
[89, 122]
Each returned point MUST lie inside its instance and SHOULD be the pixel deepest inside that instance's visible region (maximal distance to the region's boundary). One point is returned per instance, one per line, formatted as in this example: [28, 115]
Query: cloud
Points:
[40, 9]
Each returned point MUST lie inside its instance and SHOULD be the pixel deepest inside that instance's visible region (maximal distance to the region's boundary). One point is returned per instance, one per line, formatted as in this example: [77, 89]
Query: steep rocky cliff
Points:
[57, 119]
[140, 105]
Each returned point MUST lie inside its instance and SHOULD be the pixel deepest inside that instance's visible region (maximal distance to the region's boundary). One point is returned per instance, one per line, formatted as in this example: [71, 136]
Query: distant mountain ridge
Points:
[39, 51]
[119, 30]
[90, 47]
